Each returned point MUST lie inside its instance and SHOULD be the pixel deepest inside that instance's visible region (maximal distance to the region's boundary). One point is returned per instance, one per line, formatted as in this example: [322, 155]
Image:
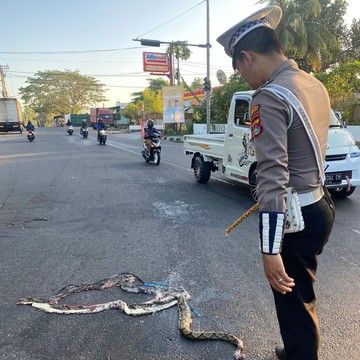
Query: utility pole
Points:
[3, 84]
[208, 88]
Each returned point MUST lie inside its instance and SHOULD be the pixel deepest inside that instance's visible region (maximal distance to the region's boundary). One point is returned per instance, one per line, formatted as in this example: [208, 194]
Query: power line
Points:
[84, 61]
[68, 52]
[170, 20]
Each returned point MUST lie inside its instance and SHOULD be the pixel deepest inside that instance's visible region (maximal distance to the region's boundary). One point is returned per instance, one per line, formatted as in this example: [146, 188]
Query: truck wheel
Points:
[253, 185]
[341, 193]
[202, 170]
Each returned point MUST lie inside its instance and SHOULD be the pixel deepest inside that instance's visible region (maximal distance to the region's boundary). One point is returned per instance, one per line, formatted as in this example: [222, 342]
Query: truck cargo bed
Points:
[209, 145]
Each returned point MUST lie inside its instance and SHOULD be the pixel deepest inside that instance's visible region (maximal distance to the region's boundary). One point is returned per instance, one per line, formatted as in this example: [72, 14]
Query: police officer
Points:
[290, 114]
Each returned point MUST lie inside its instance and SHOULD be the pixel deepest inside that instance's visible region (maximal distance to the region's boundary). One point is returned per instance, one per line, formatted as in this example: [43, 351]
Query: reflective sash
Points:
[286, 94]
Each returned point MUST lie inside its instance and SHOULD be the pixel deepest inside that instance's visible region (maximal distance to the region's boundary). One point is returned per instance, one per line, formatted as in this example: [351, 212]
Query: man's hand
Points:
[275, 272]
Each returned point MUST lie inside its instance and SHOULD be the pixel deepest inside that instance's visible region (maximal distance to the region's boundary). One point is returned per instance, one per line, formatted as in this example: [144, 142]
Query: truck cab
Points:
[240, 161]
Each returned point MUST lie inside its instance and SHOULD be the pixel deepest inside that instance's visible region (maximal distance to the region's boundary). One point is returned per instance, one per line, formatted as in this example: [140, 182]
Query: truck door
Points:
[240, 153]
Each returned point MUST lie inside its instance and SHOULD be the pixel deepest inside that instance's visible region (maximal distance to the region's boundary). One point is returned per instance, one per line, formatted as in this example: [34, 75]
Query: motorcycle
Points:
[102, 137]
[151, 151]
[84, 132]
[30, 135]
[70, 129]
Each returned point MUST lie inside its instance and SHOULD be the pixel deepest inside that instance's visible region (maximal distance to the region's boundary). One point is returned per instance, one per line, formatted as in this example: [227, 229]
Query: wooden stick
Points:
[241, 218]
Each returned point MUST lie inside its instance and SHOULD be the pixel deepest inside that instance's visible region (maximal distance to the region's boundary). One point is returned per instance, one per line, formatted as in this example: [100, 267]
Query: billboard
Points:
[156, 62]
[173, 104]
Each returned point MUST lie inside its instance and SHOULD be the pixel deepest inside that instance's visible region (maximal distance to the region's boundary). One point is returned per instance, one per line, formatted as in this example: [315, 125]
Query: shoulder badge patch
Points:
[256, 127]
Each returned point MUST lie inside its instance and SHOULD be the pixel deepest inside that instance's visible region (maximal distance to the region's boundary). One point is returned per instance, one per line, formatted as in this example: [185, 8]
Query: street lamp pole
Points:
[208, 46]
[157, 43]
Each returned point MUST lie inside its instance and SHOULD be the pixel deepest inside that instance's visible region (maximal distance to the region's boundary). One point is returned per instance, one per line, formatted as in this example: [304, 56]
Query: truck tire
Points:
[202, 169]
[253, 185]
[341, 193]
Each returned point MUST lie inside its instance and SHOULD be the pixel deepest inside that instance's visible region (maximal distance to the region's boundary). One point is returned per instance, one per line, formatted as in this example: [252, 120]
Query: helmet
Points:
[150, 123]
[99, 120]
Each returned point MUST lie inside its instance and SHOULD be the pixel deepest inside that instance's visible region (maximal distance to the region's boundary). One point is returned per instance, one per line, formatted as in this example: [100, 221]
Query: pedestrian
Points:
[290, 112]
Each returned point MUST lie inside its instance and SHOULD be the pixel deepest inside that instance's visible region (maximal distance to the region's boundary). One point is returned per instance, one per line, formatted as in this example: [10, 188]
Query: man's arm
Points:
[269, 133]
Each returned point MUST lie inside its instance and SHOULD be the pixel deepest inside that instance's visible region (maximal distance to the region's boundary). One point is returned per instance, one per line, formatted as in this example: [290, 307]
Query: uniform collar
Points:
[283, 66]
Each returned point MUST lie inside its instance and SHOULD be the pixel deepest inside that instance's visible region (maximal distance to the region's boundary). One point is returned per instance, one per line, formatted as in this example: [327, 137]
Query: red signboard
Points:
[156, 62]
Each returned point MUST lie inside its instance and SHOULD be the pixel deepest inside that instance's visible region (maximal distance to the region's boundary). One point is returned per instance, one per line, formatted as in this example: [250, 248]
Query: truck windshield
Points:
[334, 121]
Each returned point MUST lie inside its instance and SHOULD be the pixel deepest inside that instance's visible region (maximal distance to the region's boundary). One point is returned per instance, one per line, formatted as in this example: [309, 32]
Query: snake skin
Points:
[165, 297]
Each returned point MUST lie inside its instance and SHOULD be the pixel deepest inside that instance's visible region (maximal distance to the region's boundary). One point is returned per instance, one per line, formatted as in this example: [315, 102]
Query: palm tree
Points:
[180, 50]
[133, 112]
[300, 32]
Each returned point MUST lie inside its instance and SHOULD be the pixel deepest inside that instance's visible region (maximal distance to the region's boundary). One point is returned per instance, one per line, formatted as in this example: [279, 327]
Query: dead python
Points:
[165, 297]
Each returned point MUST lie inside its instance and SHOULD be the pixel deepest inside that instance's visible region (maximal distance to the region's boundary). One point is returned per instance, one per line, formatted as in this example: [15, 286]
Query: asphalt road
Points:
[73, 212]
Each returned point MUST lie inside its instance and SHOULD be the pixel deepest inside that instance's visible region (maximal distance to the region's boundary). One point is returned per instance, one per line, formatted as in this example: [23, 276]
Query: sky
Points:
[96, 38]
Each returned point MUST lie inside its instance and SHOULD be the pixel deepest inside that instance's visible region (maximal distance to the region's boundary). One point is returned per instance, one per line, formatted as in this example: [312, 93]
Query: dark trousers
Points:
[296, 311]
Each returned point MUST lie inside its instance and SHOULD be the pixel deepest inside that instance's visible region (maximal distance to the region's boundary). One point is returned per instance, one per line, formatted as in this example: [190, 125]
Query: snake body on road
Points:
[165, 297]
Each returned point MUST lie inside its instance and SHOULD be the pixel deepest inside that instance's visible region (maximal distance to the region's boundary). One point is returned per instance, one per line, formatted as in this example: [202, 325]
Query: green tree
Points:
[342, 83]
[197, 84]
[137, 96]
[221, 98]
[220, 101]
[54, 92]
[29, 114]
[133, 112]
[352, 52]
[156, 85]
[301, 33]
[332, 17]
[152, 101]
[180, 51]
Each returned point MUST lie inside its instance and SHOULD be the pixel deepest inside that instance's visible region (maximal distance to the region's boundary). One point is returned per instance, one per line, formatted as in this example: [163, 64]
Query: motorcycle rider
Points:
[68, 124]
[149, 133]
[99, 126]
[30, 126]
[83, 126]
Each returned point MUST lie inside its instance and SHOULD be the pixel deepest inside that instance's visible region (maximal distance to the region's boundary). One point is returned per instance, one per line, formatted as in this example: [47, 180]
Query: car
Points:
[342, 168]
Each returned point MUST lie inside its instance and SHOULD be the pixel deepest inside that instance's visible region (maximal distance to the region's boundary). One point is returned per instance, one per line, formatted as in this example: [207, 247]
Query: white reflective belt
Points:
[311, 197]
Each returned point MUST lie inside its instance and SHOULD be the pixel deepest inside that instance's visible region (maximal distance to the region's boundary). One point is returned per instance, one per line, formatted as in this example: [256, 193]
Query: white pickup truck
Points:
[232, 153]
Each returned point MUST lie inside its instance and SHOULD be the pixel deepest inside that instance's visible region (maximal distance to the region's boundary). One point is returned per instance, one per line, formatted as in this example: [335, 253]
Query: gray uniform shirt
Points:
[285, 157]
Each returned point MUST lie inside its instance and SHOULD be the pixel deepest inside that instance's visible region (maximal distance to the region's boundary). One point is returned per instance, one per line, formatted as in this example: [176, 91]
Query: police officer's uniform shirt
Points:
[285, 157]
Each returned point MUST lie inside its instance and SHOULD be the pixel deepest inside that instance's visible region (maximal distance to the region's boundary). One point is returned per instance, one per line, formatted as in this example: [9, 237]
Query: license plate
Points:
[333, 178]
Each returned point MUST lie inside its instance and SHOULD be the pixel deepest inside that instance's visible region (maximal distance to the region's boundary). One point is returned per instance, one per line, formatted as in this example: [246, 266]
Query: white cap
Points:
[269, 16]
